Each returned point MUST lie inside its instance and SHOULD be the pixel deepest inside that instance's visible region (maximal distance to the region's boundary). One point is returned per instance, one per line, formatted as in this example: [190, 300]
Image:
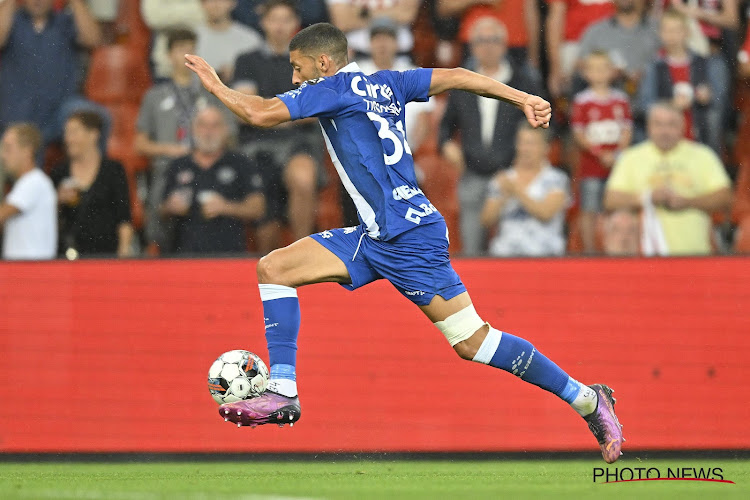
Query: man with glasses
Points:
[487, 130]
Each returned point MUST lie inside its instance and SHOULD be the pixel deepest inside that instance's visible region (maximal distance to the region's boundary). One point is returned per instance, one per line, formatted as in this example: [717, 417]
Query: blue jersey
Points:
[362, 118]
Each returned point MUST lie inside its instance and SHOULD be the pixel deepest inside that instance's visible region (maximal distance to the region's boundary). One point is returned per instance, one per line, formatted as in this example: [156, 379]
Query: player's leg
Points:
[474, 339]
[330, 256]
[279, 274]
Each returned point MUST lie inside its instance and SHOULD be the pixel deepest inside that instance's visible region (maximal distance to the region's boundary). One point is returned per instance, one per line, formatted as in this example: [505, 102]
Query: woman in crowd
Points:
[526, 203]
[93, 195]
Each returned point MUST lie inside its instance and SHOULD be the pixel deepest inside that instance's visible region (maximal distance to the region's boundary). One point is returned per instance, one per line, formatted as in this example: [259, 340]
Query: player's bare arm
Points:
[538, 111]
[253, 109]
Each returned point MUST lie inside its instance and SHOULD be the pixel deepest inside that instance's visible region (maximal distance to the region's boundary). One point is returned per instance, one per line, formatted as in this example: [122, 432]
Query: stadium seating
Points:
[118, 73]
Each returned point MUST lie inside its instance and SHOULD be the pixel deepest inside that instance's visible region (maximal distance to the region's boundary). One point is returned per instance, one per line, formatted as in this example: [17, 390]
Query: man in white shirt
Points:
[28, 215]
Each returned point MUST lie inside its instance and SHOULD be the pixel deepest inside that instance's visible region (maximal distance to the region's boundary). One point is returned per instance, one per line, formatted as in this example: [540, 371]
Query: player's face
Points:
[209, 131]
[38, 8]
[303, 68]
[279, 25]
[598, 70]
[78, 139]
[665, 128]
[218, 10]
[673, 33]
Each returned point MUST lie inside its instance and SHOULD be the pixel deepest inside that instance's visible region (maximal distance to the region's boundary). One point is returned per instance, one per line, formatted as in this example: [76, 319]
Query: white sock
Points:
[586, 401]
[284, 386]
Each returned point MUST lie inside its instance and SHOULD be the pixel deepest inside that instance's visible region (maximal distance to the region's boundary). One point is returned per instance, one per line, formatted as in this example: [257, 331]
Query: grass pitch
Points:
[328, 479]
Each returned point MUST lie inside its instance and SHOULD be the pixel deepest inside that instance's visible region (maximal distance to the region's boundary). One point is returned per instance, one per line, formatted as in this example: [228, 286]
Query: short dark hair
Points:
[322, 38]
[91, 120]
[272, 4]
[178, 35]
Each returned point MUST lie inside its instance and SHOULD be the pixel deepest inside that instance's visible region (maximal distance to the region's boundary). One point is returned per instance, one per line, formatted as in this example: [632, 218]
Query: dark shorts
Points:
[415, 262]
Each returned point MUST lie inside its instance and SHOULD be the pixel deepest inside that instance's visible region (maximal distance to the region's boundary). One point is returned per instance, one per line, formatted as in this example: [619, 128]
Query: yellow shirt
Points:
[690, 169]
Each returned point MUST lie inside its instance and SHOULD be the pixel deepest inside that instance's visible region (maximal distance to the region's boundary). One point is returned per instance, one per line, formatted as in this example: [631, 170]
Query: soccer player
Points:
[402, 237]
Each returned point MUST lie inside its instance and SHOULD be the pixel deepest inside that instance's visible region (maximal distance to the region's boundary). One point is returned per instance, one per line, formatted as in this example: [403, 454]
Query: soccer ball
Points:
[237, 375]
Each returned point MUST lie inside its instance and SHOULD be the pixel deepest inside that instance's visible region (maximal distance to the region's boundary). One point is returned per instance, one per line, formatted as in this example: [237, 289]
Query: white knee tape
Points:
[461, 325]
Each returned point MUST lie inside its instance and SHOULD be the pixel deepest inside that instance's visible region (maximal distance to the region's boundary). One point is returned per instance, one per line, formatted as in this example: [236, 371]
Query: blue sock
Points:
[517, 356]
[282, 319]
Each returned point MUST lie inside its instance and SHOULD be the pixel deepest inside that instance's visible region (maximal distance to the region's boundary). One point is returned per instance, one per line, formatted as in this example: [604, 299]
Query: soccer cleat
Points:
[267, 408]
[604, 425]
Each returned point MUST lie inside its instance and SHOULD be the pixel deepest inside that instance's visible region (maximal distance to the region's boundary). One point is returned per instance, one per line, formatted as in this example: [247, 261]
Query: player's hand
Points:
[538, 111]
[205, 72]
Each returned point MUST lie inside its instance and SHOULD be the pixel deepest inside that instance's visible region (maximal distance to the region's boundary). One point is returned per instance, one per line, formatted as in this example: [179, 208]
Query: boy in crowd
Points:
[602, 127]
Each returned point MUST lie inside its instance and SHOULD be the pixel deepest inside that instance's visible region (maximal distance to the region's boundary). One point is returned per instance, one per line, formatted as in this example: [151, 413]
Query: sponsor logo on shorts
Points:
[326, 234]
[412, 294]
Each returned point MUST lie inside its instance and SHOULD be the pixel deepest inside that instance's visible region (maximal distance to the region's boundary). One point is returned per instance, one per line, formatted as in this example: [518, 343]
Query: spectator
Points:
[292, 156]
[677, 182]
[29, 213]
[162, 17]
[527, 202]
[353, 17]
[621, 236]
[566, 22]
[520, 17]
[487, 128]
[602, 128]
[92, 193]
[163, 127]
[694, 84]
[311, 11]
[221, 40]
[717, 18]
[384, 49]
[40, 66]
[629, 37]
[212, 193]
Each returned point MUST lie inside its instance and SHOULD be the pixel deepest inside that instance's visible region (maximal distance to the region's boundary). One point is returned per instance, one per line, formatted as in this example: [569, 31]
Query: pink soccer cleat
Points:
[604, 425]
[268, 408]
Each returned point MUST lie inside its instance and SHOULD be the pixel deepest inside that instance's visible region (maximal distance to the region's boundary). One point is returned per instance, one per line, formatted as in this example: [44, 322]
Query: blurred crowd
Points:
[110, 146]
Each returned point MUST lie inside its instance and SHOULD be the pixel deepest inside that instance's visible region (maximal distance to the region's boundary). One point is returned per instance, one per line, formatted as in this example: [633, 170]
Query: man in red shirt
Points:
[602, 127]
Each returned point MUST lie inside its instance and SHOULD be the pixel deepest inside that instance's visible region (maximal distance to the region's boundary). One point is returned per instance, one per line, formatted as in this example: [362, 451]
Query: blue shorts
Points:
[415, 262]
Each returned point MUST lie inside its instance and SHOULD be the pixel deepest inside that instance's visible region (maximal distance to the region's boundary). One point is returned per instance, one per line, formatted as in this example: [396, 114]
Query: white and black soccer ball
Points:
[237, 375]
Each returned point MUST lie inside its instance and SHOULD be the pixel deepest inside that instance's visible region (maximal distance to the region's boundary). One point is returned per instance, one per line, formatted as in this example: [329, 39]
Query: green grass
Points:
[358, 480]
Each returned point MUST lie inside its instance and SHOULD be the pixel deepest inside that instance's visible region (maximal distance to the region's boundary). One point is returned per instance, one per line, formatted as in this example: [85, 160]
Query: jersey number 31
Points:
[387, 134]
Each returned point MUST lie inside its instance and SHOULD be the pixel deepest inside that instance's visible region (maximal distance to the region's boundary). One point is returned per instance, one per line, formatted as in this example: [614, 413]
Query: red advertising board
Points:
[113, 356]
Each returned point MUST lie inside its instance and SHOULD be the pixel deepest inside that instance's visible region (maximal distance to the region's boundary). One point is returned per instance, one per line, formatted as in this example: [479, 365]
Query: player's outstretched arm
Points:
[538, 111]
[253, 109]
